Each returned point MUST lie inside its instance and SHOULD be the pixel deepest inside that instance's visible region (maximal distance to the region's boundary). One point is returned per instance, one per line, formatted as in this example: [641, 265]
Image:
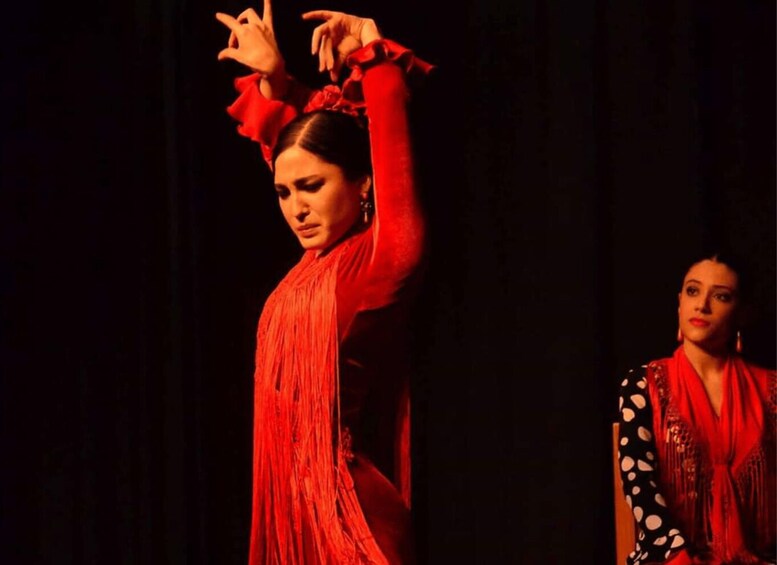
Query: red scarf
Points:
[305, 509]
[718, 471]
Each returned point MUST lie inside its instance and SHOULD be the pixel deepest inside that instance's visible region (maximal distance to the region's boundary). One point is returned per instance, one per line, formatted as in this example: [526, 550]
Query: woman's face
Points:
[708, 305]
[318, 202]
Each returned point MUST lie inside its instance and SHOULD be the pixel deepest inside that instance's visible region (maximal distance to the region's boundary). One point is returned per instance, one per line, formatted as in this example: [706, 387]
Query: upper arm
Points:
[398, 222]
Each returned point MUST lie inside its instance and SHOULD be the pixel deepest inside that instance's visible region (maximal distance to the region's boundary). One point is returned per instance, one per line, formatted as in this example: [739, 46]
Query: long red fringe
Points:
[305, 509]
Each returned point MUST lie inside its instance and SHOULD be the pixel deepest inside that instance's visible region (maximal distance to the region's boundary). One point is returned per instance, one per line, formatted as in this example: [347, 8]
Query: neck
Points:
[706, 363]
[353, 230]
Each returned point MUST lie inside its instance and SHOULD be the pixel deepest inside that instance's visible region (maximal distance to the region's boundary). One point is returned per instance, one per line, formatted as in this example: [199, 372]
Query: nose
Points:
[703, 303]
[299, 206]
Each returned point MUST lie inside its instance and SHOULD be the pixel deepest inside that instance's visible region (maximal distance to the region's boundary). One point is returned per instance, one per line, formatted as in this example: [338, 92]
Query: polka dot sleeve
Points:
[659, 539]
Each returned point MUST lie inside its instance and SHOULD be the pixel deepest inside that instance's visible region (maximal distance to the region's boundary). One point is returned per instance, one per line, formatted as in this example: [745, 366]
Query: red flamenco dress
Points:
[331, 407]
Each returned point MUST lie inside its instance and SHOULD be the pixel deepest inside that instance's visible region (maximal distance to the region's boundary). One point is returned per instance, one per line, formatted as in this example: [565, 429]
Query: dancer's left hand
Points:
[340, 35]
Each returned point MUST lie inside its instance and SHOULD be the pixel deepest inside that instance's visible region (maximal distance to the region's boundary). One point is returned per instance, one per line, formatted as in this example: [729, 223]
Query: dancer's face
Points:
[318, 202]
[709, 305]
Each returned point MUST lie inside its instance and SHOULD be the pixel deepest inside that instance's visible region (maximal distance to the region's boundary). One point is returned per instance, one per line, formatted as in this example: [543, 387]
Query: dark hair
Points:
[733, 261]
[337, 138]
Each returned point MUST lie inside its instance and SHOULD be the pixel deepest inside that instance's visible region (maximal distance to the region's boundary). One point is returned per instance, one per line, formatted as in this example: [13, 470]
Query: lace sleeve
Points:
[379, 77]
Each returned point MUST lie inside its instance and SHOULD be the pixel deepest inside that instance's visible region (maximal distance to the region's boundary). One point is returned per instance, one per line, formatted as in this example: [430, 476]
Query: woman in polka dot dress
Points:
[697, 436]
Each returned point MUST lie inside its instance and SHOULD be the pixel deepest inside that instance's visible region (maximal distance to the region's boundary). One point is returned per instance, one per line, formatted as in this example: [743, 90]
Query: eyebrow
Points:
[300, 181]
[713, 286]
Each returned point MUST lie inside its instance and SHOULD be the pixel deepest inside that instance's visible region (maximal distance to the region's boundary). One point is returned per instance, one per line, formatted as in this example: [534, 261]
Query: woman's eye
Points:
[691, 291]
[282, 193]
[312, 187]
[723, 297]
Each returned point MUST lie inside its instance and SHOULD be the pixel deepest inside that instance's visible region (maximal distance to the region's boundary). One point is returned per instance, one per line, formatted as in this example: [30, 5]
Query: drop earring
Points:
[679, 335]
[739, 342]
[366, 208]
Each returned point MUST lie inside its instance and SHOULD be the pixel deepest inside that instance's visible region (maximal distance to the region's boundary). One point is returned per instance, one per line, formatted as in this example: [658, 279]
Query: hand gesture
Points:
[339, 36]
[252, 42]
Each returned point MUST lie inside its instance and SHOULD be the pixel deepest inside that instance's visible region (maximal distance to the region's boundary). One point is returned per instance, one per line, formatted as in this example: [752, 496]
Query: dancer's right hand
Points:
[252, 43]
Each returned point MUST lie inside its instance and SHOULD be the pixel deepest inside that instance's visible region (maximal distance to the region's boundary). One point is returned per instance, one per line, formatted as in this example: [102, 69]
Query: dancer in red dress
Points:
[331, 435]
[697, 436]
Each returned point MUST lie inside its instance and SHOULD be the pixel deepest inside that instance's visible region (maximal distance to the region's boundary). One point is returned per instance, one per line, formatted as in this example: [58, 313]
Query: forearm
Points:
[399, 228]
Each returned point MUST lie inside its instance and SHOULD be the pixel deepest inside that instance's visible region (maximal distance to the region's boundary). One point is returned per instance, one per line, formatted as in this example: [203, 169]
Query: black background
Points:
[573, 158]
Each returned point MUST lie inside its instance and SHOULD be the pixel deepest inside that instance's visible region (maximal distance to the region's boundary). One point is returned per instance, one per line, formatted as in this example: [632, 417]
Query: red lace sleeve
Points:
[379, 72]
[262, 119]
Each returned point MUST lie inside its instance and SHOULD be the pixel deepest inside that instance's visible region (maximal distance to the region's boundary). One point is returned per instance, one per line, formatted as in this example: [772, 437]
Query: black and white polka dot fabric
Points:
[659, 538]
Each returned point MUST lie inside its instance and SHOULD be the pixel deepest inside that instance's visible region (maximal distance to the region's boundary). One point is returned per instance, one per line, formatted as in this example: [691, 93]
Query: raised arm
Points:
[380, 67]
[399, 227]
[268, 97]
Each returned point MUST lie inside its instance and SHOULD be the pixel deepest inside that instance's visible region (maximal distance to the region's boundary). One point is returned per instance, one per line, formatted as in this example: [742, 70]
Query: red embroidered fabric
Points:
[718, 472]
[331, 434]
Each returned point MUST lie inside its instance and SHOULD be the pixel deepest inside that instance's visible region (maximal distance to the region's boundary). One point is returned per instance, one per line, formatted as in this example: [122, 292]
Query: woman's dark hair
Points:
[334, 137]
[733, 261]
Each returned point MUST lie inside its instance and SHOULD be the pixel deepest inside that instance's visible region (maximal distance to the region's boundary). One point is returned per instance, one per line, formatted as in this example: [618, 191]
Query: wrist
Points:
[274, 90]
[274, 85]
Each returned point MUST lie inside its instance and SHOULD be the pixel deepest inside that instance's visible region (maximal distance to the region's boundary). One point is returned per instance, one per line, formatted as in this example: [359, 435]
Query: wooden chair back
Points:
[625, 526]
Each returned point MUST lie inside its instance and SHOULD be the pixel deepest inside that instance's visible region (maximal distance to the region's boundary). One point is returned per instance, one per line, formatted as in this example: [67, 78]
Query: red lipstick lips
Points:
[306, 229]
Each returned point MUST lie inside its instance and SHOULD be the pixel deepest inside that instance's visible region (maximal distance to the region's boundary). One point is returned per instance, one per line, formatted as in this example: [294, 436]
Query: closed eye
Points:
[281, 191]
[312, 186]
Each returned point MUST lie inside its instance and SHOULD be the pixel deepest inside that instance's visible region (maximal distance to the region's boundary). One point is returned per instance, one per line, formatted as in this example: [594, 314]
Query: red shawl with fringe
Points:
[718, 472]
[308, 510]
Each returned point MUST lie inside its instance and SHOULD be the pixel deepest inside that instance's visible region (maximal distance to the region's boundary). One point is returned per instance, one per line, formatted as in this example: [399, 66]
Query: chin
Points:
[313, 244]
[308, 245]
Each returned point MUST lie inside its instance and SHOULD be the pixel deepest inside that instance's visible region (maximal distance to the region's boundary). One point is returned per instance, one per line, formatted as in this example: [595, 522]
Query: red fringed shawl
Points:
[305, 474]
[718, 472]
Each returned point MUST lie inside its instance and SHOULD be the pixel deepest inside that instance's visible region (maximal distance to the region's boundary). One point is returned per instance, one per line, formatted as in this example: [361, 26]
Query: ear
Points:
[365, 186]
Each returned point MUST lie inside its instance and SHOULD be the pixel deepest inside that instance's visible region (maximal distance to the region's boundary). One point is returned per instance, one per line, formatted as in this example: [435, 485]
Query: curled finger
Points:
[249, 16]
[316, 39]
[334, 73]
[326, 44]
[329, 55]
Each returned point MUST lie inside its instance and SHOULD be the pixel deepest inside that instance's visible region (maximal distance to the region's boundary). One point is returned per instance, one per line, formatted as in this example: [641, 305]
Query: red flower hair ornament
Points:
[335, 99]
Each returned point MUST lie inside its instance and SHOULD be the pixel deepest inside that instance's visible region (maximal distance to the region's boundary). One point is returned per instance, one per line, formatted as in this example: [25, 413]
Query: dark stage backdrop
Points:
[572, 157]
